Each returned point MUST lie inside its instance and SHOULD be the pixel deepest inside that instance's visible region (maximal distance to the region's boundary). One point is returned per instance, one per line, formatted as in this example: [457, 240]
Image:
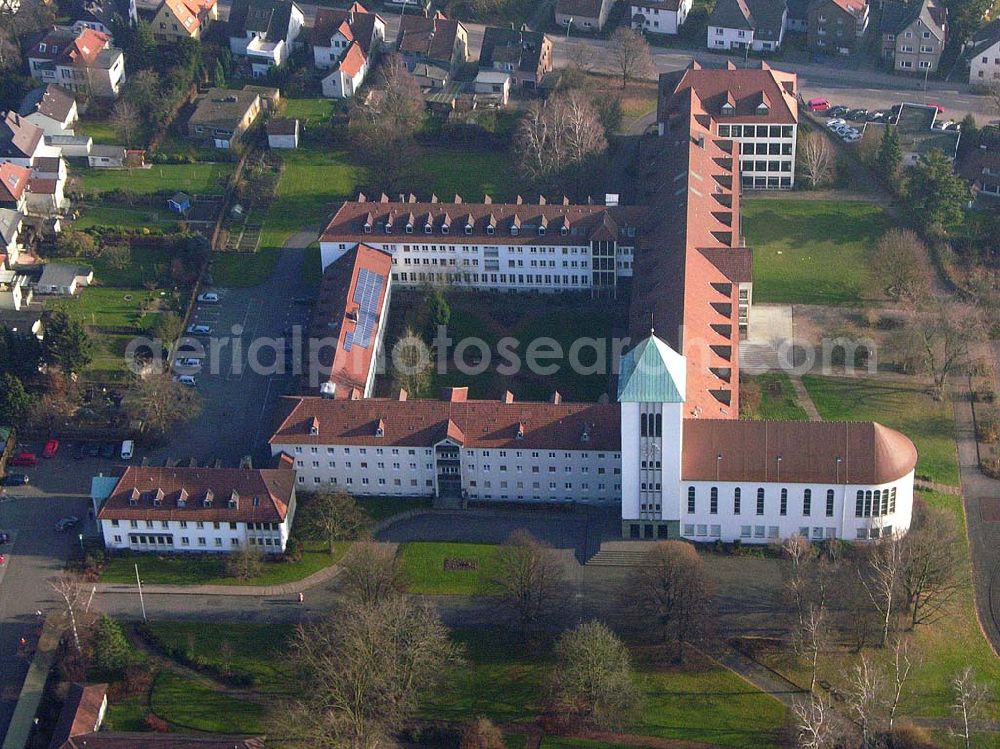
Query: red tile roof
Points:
[81, 712]
[353, 60]
[869, 453]
[854, 7]
[360, 22]
[743, 88]
[335, 314]
[261, 495]
[191, 13]
[66, 46]
[473, 423]
[13, 181]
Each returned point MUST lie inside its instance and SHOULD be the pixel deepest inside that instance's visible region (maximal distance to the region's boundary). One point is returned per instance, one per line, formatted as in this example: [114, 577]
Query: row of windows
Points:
[875, 504]
[198, 524]
[651, 425]
[763, 149]
[583, 455]
[504, 278]
[756, 131]
[771, 165]
[713, 501]
[769, 532]
[765, 182]
[486, 467]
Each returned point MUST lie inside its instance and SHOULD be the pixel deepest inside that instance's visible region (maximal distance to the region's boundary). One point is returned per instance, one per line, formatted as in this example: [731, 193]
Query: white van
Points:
[128, 447]
[188, 380]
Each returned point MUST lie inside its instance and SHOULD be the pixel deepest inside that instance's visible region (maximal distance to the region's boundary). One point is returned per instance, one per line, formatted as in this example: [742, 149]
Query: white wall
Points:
[202, 536]
[660, 20]
[985, 73]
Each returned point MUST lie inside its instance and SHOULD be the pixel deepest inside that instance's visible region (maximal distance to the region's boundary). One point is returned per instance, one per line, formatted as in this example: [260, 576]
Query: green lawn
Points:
[103, 306]
[242, 270]
[380, 508]
[127, 714]
[900, 405]
[258, 651]
[423, 569]
[145, 264]
[191, 178]
[469, 173]
[811, 251]
[197, 705]
[100, 130]
[210, 569]
[309, 111]
[129, 218]
[778, 402]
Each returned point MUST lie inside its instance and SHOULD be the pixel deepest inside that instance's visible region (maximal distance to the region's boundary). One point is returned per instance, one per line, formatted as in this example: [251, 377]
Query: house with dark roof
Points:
[50, 107]
[761, 24]
[198, 509]
[582, 15]
[525, 55]
[222, 115]
[984, 56]
[346, 42]
[913, 35]
[98, 15]
[434, 40]
[10, 233]
[980, 167]
[82, 61]
[264, 32]
[798, 16]
[837, 27]
[659, 16]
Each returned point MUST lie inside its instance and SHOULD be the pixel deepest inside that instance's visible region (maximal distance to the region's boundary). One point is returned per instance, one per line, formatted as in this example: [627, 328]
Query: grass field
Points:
[777, 402]
[100, 130]
[469, 173]
[309, 111]
[380, 508]
[811, 251]
[191, 178]
[900, 405]
[103, 306]
[145, 264]
[210, 569]
[422, 565]
[242, 270]
[197, 705]
[131, 218]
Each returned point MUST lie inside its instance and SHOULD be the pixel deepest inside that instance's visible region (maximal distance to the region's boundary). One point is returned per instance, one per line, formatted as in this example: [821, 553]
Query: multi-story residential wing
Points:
[183, 19]
[659, 16]
[525, 55]
[914, 35]
[984, 56]
[756, 107]
[82, 61]
[196, 509]
[264, 32]
[433, 40]
[759, 24]
[837, 26]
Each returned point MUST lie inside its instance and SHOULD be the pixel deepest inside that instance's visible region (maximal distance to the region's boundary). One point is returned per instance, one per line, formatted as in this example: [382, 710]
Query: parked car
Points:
[876, 116]
[4, 538]
[188, 362]
[24, 458]
[93, 449]
[50, 449]
[940, 109]
[79, 450]
[108, 450]
[15, 479]
[188, 380]
[858, 115]
[852, 136]
[818, 104]
[199, 330]
[835, 123]
[837, 111]
[209, 297]
[128, 448]
[64, 524]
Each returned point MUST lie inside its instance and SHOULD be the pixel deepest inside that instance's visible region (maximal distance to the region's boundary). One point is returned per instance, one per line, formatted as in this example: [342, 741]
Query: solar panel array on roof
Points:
[366, 295]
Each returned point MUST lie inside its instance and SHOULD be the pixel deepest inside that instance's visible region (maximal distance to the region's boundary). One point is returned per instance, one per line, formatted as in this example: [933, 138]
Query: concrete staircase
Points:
[758, 357]
[616, 558]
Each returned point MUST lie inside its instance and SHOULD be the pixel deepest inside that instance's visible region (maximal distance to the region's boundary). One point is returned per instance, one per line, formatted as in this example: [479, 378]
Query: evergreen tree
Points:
[66, 344]
[889, 159]
[15, 401]
[220, 74]
[112, 652]
[940, 196]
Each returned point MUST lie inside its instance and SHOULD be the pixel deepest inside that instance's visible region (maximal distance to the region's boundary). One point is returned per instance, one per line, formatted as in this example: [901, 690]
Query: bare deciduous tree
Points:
[930, 575]
[811, 638]
[370, 574]
[939, 337]
[246, 563]
[69, 589]
[969, 696]
[671, 593]
[865, 697]
[817, 725]
[530, 577]
[880, 574]
[368, 668]
[334, 516]
[629, 51]
[898, 265]
[817, 157]
[799, 553]
[557, 135]
[159, 402]
[125, 122]
[902, 663]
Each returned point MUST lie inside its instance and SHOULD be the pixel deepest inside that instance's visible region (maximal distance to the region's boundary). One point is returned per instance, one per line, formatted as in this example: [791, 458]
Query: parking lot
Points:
[848, 123]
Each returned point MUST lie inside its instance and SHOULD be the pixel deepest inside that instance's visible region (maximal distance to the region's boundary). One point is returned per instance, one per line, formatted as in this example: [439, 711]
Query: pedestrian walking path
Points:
[30, 697]
[804, 399]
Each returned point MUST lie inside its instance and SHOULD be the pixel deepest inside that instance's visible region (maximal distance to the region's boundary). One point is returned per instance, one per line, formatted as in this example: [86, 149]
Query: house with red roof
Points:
[346, 42]
[183, 19]
[82, 61]
[14, 186]
[837, 27]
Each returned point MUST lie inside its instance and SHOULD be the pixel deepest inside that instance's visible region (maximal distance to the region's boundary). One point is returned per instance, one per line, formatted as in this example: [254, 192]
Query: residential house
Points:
[46, 188]
[15, 289]
[223, 115]
[984, 60]
[82, 715]
[14, 186]
[525, 55]
[434, 40]
[198, 509]
[346, 43]
[83, 62]
[183, 19]
[10, 235]
[659, 16]
[981, 167]
[106, 157]
[756, 107]
[583, 15]
[22, 142]
[98, 15]
[283, 132]
[50, 107]
[798, 16]
[837, 26]
[264, 31]
[270, 96]
[913, 35]
[735, 24]
[63, 279]
[492, 85]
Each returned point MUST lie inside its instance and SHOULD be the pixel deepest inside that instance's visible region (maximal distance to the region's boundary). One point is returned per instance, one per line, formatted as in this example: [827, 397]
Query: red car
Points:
[50, 449]
[24, 458]
[938, 107]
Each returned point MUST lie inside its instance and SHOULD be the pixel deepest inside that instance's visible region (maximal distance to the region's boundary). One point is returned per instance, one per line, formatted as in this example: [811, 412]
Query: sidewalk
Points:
[30, 697]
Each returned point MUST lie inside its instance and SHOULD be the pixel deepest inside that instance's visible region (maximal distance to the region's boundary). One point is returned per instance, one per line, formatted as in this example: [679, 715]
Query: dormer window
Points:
[585, 437]
[380, 428]
[234, 500]
[468, 228]
[209, 497]
[520, 431]
[409, 228]
[133, 498]
[256, 501]
[41, 46]
[513, 231]
[541, 231]
[762, 108]
[314, 427]
[564, 230]
[428, 228]
[388, 227]
[727, 108]
[368, 228]
[490, 230]
[444, 228]
[182, 498]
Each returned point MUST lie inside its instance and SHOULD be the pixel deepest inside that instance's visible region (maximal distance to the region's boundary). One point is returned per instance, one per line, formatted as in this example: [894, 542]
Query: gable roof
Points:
[353, 60]
[520, 47]
[855, 8]
[361, 24]
[13, 181]
[50, 101]
[271, 17]
[191, 13]
[898, 16]
[986, 37]
[262, 495]
[19, 138]
[581, 8]
[10, 225]
[81, 712]
[731, 14]
[432, 37]
[66, 46]
[743, 88]
[651, 372]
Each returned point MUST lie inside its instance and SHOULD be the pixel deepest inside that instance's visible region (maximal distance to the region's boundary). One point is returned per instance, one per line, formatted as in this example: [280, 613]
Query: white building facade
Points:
[664, 17]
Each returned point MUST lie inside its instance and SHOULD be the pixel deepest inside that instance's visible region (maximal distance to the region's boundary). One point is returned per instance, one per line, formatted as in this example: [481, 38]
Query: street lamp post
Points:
[569, 25]
[82, 552]
[139, 583]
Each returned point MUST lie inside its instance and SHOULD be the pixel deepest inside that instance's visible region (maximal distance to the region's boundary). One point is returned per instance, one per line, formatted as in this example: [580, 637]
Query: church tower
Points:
[651, 396]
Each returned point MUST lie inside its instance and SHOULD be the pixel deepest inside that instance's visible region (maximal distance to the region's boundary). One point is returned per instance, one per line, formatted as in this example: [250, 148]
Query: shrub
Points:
[155, 723]
[988, 428]
[112, 651]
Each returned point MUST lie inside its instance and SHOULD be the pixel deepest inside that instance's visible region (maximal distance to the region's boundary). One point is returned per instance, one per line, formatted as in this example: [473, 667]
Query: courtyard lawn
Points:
[777, 399]
[469, 173]
[129, 218]
[242, 270]
[210, 569]
[811, 251]
[423, 567]
[127, 714]
[110, 307]
[901, 405]
[197, 705]
[100, 130]
[145, 264]
[309, 111]
[381, 508]
[198, 179]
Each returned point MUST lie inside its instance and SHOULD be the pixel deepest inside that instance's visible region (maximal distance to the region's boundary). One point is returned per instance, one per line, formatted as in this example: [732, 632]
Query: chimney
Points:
[402, 395]
[556, 398]
[508, 397]
[487, 200]
[455, 395]
[314, 426]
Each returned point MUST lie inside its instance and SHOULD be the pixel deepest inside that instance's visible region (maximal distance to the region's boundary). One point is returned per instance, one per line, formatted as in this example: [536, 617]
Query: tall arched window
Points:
[807, 502]
[760, 501]
[691, 499]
